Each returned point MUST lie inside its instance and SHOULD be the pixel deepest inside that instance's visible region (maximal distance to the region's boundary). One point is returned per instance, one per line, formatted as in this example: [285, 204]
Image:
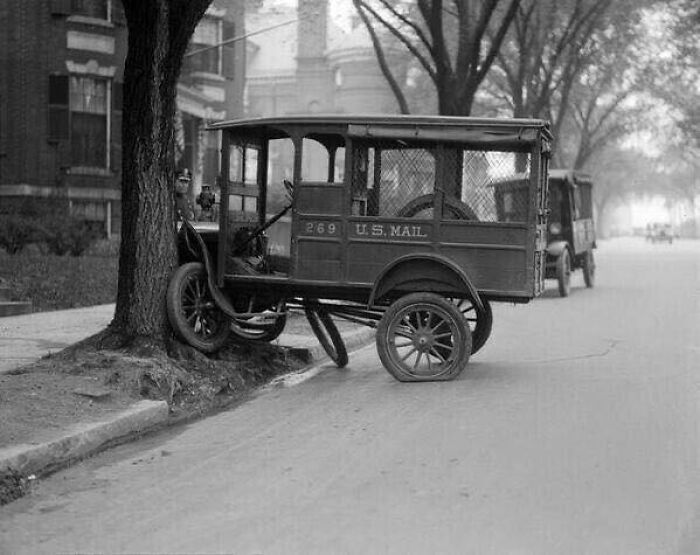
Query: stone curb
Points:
[86, 439]
[83, 440]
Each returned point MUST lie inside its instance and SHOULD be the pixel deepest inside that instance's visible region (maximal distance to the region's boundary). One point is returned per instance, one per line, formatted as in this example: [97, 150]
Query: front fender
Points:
[421, 269]
[555, 248]
[194, 242]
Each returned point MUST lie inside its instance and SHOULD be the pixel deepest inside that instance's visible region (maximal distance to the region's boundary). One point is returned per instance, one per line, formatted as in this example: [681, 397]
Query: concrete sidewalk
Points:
[25, 339]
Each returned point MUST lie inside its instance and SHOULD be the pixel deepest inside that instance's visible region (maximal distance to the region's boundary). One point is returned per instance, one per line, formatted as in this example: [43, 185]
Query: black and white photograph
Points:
[350, 277]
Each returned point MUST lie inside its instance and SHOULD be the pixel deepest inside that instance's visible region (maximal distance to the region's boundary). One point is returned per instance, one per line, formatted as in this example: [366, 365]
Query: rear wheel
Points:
[480, 321]
[192, 312]
[564, 273]
[589, 269]
[327, 333]
[423, 337]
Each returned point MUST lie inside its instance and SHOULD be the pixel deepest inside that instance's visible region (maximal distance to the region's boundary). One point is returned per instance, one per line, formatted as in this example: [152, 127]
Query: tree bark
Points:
[159, 31]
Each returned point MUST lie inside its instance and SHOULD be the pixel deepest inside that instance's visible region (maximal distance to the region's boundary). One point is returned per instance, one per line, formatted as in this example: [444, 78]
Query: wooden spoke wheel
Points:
[589, 269]
[327, 333]
[480, 321]
[423, 337]
[564, 273]
[192, 312]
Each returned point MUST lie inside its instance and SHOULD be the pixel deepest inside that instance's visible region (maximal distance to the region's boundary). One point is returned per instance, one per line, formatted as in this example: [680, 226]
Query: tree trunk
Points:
[159, 31]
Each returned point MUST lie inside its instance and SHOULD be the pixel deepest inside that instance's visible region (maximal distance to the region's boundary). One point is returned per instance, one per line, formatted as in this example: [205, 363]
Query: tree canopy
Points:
[454, 43]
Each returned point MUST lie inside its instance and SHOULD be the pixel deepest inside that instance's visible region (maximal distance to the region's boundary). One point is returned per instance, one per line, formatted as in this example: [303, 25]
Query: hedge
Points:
[54, 282]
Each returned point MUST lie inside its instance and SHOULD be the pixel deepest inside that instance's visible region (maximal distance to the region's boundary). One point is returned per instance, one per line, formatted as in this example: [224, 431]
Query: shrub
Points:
[104, 247]
[56, 282]
[68, 235]
[16, 232]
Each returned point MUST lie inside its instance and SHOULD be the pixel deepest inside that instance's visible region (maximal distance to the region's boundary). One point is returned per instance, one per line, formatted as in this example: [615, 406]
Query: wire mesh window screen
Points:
[392, 180]
[493, 185]
[407, 179]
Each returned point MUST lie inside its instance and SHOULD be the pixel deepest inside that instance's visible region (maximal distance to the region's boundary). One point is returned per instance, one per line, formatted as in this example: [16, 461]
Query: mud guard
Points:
[219, 298]
[397, 273]
[555, 248]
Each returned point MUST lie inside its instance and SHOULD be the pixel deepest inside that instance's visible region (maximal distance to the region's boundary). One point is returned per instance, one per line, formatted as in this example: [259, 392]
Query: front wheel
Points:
[423, 337]
[564, 273]
[589, 269]
[327, 333]
[192, 312]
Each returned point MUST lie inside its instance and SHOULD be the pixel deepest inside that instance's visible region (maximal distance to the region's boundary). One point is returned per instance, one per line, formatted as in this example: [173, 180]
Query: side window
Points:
[493, 188]
[243, 171]
[363, 181]
[577, 203]
[392, 179]
[586, 204]
[407, 179]
[314, 163]
[280, 166]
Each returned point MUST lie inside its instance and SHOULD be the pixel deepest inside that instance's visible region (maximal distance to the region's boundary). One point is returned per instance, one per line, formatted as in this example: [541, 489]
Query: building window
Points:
[88, 113]
[97, 9]
[201, 57]
[79, 113]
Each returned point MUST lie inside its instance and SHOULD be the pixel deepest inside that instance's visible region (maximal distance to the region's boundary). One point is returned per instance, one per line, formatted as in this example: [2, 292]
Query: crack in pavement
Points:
[607, 351]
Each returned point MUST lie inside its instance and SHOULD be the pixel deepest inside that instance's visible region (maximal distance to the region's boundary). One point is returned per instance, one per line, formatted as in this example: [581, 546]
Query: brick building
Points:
[61, 69]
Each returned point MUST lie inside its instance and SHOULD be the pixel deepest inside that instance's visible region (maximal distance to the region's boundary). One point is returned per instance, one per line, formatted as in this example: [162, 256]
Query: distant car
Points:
[570, 233]
[658, 232]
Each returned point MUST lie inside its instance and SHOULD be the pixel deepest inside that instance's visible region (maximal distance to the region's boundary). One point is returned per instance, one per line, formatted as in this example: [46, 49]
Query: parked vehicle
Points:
[570, 230]
[394, 224]
[660, 232]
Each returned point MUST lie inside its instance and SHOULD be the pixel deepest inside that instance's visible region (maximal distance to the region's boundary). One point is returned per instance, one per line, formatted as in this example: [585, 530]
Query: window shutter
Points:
[59, 115]
[60, 7]
[115, 146]
[228, 52]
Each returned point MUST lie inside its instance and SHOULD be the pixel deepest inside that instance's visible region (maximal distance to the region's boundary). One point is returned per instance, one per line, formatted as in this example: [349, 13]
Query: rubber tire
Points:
[463, 211]
[327, 333]
[564, 273]
[185, 274]
[397, 310]
[481, 330]
[259, 332]
[589, 269]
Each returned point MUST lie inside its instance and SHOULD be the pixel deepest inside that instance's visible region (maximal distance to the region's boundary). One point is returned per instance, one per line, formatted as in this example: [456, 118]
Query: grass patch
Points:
[57, 282]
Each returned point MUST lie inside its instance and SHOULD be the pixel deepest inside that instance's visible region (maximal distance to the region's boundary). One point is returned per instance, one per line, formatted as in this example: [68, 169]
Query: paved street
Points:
[574, 431]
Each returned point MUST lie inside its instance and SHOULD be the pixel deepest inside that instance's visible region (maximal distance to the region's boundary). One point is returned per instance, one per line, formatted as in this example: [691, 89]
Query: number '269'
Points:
[320, 228]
